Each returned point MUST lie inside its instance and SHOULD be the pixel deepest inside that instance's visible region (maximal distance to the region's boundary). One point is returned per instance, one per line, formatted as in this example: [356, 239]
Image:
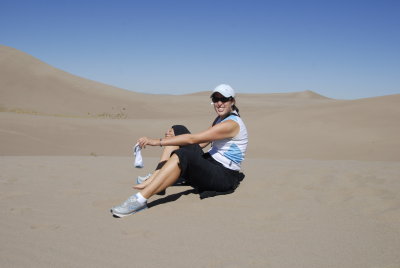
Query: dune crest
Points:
[308, 94]
[26, 83]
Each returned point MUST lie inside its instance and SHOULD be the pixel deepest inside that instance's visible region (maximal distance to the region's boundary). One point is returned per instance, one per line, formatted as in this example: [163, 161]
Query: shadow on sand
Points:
[171, 198]
[174, 197]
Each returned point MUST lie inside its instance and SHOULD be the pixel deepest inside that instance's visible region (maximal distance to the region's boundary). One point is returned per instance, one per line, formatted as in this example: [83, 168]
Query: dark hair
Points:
[234, 107]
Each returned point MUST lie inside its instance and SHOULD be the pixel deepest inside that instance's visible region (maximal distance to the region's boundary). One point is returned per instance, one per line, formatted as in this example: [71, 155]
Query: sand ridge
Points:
[285, 126]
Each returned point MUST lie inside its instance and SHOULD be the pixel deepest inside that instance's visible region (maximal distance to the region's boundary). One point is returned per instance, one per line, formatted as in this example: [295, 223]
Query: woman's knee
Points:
[180, 129]
[167, 152]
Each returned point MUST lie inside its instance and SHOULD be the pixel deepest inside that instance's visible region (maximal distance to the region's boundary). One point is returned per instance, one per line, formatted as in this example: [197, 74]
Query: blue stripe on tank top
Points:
[234, 154]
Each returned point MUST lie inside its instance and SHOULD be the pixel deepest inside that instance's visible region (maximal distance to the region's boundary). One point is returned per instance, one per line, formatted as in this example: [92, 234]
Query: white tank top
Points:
[230, 152]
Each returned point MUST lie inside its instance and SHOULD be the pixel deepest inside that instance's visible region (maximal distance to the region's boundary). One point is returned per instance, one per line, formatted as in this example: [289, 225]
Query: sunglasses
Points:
[222, 99]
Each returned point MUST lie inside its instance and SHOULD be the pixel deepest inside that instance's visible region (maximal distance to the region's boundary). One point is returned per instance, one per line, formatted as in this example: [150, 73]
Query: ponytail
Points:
[236, 109]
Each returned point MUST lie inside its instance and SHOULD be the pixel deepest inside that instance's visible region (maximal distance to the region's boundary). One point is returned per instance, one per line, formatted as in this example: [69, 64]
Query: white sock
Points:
[137, 152]
[140, 198]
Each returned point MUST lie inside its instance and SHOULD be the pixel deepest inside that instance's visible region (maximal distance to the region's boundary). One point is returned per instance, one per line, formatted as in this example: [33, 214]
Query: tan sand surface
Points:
[287, 213]
[321, 186]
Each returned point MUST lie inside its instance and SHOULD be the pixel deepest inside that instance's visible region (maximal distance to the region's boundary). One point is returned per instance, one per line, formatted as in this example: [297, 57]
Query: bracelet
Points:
[160, 142]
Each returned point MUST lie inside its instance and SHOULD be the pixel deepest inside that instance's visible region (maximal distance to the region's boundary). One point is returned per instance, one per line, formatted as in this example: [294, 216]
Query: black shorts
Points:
[204, 173]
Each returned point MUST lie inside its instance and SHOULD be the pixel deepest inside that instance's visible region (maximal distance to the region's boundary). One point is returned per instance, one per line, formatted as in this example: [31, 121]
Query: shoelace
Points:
[130, 199]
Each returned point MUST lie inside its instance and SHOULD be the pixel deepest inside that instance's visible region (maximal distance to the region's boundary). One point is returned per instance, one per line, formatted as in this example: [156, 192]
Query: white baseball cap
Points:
[225, 90]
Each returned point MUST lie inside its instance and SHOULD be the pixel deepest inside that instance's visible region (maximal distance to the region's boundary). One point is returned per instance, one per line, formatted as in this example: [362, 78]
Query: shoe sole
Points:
[124, 215]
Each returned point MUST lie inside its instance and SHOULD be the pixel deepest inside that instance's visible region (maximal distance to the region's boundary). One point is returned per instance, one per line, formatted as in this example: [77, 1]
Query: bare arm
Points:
[227, 129]
[204, 144]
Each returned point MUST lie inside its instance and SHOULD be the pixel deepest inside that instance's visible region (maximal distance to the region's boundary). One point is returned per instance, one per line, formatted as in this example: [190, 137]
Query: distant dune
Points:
[29, 84]
[66, 110]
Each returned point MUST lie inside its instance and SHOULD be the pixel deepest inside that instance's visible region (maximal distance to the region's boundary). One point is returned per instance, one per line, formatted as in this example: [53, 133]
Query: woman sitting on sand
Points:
[217, 170]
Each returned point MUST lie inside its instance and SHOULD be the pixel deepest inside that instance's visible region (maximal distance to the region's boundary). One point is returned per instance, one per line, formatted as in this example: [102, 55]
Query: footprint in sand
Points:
[108, 203]
[8, 181]
[12, 195]
[45, 226]
[20, 211]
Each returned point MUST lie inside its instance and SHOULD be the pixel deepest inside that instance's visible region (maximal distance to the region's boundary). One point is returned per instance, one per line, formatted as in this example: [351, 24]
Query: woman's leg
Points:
[175, 130]
[164, 178]
[166, 154]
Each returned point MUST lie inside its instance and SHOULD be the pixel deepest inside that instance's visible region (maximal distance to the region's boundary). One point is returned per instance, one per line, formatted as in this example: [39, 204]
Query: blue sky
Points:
[340, 49]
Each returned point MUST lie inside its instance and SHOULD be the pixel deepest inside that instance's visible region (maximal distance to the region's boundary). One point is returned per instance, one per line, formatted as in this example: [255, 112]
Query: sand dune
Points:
[284, 126]
[321, 186]
[32, 85]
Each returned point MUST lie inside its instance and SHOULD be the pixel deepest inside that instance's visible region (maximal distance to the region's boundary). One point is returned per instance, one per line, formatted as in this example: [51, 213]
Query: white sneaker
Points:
[129, 207]
[141, 179]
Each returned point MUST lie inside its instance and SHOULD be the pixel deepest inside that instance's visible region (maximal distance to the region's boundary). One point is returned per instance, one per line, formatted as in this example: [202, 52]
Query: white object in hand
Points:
[137, 152]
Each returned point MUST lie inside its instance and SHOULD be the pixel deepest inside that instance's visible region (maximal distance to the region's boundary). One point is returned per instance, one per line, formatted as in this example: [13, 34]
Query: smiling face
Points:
[222, 105]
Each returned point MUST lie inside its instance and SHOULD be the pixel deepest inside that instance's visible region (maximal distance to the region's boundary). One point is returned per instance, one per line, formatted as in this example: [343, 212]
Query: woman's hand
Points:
[143, 141]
